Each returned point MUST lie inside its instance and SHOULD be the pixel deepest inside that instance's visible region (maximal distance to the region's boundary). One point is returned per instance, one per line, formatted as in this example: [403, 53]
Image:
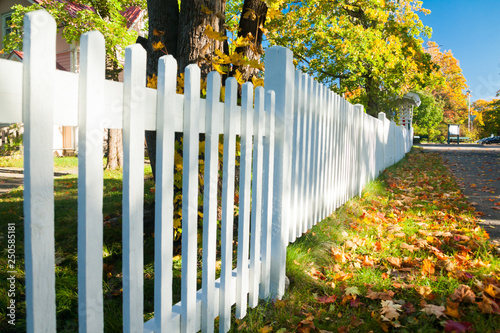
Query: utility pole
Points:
[469, 123]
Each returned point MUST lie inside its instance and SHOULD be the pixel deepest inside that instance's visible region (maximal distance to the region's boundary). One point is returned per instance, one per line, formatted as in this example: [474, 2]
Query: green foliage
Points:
[491, 118]
[428, 115]
[487, 116]
[106, 18]
[371, 50]
[14, 141]
[449, 84]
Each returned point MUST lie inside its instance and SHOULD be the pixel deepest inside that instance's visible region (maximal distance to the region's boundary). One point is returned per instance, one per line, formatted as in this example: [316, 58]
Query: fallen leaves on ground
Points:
[411, 256]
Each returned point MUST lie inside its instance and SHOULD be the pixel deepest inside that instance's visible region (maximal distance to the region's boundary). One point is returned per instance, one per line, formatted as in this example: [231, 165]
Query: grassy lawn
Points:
[407, 256]
[65, 192]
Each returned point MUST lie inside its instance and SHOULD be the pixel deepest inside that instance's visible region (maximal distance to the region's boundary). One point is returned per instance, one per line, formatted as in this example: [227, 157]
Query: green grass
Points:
[60, 163]
[65, 196]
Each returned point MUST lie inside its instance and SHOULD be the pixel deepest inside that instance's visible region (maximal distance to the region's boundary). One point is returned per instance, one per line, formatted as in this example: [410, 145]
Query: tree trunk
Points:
[182, 33]
[253, 17]
[163, 26]
[115, 149]
[371, 94]
[115, 138]
[194, 47]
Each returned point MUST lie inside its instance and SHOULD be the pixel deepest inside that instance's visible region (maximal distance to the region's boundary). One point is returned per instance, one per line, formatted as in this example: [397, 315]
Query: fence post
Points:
[38, 105]
[280, 78]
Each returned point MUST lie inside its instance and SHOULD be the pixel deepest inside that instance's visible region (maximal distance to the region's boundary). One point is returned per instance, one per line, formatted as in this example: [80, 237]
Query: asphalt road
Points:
[477, 171]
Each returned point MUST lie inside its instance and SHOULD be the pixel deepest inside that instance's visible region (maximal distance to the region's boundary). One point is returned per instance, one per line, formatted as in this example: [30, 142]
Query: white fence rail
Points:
[311, 151]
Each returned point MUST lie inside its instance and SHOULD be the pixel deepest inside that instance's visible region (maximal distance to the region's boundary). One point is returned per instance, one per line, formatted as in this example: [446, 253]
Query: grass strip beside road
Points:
[408, 256]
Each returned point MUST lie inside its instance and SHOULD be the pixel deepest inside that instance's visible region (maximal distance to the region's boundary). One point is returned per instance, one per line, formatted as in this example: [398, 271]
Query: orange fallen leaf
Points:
[367, 261]
[493, 291]
[463, 293]
[383, 295]
[432, 309]
[341, 276]
[396, 262]
[488, 305]
[428, 267]
[423, 290]
[327, 299]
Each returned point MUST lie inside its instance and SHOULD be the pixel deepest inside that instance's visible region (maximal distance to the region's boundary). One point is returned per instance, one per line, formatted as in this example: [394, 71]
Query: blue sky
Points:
[471, 30]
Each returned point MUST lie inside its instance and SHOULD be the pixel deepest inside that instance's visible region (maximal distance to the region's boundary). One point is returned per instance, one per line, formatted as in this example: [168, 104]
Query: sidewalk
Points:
[476, 170]
[11, 178]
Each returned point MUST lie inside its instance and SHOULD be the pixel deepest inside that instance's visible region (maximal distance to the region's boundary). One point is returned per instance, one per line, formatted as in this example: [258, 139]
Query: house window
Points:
[6, 29]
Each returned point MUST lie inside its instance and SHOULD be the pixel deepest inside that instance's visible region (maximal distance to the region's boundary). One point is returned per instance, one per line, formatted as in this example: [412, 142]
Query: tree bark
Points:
[253, 17]
[163, 26]
[115, 149]
[371, 94]
[194, 46]
[115, 137]
[182, 33]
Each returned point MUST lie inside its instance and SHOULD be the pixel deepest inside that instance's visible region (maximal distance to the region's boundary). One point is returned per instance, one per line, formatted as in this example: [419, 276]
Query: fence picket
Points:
[213, 118]
[280, 78]
[38, 100]
[244, 199]
[268, 195]
[304, 86]
[164, 194]
[230, 119]
[90, 180]
[257, 196]
[133, 187]
[190, 197]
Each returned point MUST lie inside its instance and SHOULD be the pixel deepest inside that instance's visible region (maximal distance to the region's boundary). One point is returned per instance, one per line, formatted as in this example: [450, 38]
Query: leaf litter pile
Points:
[408, 256]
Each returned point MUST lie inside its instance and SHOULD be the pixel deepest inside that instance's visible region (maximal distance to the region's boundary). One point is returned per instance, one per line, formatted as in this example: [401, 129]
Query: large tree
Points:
[428, 115]
[104, 16]
[487, 116]
[194, 31]
[370, 49]
[450, 84]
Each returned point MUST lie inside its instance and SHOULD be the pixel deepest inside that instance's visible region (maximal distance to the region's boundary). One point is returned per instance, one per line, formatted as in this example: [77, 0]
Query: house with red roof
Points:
[67, 55]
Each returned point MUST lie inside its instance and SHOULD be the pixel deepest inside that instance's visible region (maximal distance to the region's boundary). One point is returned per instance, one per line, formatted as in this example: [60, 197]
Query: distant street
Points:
[476, 169]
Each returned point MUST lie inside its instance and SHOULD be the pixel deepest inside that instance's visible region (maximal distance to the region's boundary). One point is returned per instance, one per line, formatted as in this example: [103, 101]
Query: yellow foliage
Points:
[242, 41]
[237, 59]
[220, 69]
[158, 46]
[158, 33]
[257, 82]
[209, 31]
[239, 77]
[206, 10]
[152, 82]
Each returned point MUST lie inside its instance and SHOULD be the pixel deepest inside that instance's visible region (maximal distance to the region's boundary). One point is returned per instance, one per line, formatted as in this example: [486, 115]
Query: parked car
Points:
[489, 140]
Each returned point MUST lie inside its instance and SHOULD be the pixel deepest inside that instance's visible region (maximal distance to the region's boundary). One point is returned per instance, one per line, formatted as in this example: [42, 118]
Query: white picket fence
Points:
[308, 150]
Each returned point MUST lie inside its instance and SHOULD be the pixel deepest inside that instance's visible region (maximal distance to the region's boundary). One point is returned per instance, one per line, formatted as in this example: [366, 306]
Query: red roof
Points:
[20, 55]
[131, 14]
[71, 7]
